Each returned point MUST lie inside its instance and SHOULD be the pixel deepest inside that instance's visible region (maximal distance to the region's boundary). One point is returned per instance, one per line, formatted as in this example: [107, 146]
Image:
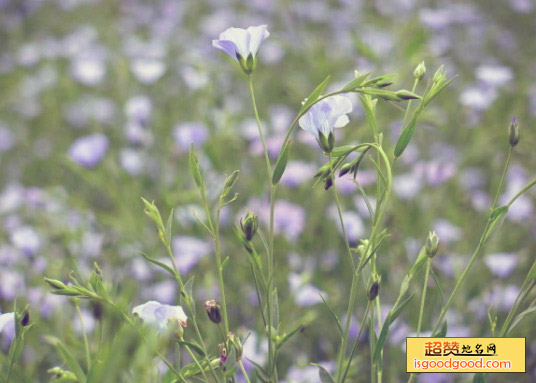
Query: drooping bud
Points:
[432, 244]
[328, 183]
[374, 290]
[345, 169]
[513, 132]
[25, 320]
[249, 224]
[213, 311]
[440, 75]
[419, 71]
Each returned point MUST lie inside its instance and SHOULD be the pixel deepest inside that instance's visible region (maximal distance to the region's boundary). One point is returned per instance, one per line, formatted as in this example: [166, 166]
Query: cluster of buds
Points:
[213, 310]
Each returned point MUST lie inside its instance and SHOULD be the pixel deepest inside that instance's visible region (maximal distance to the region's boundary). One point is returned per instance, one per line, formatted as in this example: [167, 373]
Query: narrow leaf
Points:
[315, 94]
[281, 163]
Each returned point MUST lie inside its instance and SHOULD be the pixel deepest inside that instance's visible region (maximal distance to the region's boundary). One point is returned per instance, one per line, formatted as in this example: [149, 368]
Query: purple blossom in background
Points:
[494, 75]
[148, 71]
[7, 138]
[88, 71]
[131, 161]
[501, 264]
[355, 228]
[189, 132]
[502, 297]
[189, 251]
[139, 108]
[305, 294]
[241, 42]
[88, 151]
[447, 231]
[296, 173]
[26, 239]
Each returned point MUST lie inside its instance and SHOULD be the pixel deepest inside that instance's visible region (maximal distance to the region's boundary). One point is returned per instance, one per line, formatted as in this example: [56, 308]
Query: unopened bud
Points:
[374, 290]
[237, 344]
[432, 244]
[419, 71]
[25, 320]
[213, 311]
[249, 224]
[345, 169]
[328, 183]
[406, 95]
[513, 132]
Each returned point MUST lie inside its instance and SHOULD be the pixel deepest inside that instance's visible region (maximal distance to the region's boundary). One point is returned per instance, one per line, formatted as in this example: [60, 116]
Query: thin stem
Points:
[503, 177]
[356, 342]
[220, 271]
[409, 102]
[84, 334]
[243, 371]
[268, 292]
[423, 299]
[521, 192]
[198, 364]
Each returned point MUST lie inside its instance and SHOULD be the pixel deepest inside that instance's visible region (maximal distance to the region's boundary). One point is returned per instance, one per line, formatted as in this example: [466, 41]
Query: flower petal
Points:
[239, 37]
[226, 46]
[256, 36]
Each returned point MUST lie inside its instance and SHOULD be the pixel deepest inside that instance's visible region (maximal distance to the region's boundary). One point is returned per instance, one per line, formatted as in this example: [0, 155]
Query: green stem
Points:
[84, 334]
[503, 177]
[244, 371]
[268, 292]
[423, 299]
[354, 348]
[198, 364]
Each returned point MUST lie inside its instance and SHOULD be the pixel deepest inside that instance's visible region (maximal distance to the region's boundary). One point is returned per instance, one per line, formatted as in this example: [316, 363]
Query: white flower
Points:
[241, 42]
[160, 316]
[326, 115]
[7, 321]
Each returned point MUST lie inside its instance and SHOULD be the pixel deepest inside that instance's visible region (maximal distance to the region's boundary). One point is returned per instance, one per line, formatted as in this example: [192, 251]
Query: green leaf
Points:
[281, 163]
[288, 336]
[395, 313]
[345, 150]
[419, 262]
[442, 331]
[358, 81]
[275, 313]
[315, 94]
[169, 225]
[158, 263]
[405, 136]
[194, 167]
[193, 345]
[71, 361]
[337, 321]
[520, 317]
[224, 263]
[188, 290]
[323, 373]
[497, 212]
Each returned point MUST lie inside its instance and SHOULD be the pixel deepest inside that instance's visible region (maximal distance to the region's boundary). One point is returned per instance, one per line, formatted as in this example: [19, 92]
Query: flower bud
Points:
[345, 169]
[432, 243]
[419, 71]
[406, 95]
[374, 290]
[25, 320]
[328, 183]
[249, 224]
[237, 344]
[213, 311]
[513, 132]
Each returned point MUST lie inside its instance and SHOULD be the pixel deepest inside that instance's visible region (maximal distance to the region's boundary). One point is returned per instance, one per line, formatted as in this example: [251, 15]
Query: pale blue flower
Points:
[326, 115]
[157, 315]
[238, 42]
[7, 325]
